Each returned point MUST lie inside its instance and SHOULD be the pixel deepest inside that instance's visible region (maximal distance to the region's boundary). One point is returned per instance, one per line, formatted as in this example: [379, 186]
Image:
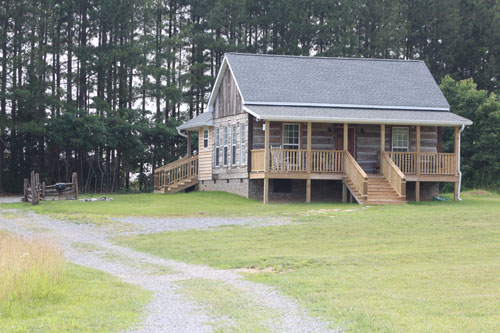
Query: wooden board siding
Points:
[228, 99]
[205, 156]
[258, 134]
[322, 136]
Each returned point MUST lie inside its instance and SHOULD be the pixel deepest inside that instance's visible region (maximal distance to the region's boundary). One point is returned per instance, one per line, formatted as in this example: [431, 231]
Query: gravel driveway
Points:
[170, 310]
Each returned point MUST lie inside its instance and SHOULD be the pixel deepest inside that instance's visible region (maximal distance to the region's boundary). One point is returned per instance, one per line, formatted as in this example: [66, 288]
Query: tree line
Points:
[98, 86]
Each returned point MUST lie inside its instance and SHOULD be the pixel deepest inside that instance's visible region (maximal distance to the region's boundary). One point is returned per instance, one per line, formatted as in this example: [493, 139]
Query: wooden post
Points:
[266, 190]
[266, 146]
[75, 184]
[309, 144]
[417, 191]
[344, 193]
[25, 191]
[266, 161]
[33, 186]
[43, 190]
[346, 136]
[418, 151]
[308, 190]
[189, 144]
[382, 145]
[309, 162]
[457, 167]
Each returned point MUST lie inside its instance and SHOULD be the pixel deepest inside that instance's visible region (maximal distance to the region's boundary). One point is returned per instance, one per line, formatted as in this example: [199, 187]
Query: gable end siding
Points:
[228, 100]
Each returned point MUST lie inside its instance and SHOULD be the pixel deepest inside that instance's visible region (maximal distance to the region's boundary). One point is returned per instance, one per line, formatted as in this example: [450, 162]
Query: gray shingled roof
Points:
[344, 82]
[204, 119]
[325, 114]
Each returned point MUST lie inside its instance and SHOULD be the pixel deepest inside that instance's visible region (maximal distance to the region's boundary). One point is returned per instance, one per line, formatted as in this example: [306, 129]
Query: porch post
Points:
[457, 167]
[382, 145]
[417, 184]
[346, 136]
[266, 161]
[309, 162]
[188, 143]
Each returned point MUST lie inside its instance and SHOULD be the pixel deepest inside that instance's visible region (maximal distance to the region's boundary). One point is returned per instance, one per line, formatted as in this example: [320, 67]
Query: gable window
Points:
[400, 139]
[217, 148]
[291, 136]
[243, 145]
[225, 146]
[205, 138]
[233, 147]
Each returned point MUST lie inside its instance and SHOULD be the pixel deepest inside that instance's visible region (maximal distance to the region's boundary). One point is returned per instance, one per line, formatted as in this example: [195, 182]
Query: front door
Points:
[339, 140]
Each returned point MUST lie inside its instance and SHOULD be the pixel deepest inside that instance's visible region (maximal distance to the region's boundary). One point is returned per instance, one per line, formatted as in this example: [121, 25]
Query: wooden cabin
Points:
[315, 128]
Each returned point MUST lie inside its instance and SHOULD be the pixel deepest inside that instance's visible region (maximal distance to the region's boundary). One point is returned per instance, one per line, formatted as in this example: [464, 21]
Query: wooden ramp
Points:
[177, 176]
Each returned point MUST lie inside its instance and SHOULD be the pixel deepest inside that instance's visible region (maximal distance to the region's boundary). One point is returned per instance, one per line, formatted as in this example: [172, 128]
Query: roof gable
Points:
[334, 82]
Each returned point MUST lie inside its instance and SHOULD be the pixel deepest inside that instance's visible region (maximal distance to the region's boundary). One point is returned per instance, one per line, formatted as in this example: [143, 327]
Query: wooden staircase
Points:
[176, 176]
[387, 188]
[381, 192]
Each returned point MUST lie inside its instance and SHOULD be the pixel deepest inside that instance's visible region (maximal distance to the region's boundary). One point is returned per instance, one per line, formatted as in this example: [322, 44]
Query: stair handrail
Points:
[182, 169]
[356, 174]
[393, 174]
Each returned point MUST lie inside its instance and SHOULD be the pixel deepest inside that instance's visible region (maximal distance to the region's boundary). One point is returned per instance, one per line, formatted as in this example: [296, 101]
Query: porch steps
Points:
[380, 192]
[180, 186]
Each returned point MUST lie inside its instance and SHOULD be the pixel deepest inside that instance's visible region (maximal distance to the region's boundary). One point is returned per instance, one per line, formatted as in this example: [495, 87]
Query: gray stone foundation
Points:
[237, 186]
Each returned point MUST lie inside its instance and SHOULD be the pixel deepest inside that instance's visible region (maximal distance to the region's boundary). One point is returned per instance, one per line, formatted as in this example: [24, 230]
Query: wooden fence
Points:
[34, 192]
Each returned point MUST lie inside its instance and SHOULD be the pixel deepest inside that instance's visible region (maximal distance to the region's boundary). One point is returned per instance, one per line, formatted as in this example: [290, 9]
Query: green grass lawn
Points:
[86, 301]
[180, 204]
[431, 266]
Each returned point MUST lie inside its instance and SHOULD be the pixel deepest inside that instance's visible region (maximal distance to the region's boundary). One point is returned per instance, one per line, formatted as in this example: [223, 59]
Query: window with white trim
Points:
[217, 148]
[233, 146]
[400, 139]
[243, 145]
[291, 136]
[205, 138]
[225, 146]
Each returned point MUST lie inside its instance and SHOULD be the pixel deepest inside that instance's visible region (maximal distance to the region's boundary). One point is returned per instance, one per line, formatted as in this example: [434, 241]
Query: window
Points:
[217, 148]
[205, 138]
[225, 146]
[233, 147]
[243, 145]
[400, 139]
[291, 136]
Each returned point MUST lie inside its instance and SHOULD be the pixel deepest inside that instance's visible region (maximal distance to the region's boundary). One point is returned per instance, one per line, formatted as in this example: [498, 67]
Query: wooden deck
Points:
[396, 167]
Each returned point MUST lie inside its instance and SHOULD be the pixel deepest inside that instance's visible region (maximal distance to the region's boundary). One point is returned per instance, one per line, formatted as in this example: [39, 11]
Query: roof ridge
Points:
[320, 57]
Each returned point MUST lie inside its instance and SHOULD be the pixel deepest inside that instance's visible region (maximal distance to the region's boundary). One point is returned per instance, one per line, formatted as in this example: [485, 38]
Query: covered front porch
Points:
[363, 157]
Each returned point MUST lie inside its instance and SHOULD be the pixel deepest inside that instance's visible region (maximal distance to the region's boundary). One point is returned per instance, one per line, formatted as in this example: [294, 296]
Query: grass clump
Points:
[40, 292]
[29, 269]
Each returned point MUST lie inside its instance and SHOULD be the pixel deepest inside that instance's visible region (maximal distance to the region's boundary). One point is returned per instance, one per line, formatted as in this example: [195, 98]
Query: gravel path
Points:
[170, 311]
[10, 199]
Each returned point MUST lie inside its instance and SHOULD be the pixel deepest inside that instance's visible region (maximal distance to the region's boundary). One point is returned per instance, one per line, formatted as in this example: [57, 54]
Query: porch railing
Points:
[288, 160]
[357, 176]
[327, 160]
[392, 173]
[428, 163]
[295, 160]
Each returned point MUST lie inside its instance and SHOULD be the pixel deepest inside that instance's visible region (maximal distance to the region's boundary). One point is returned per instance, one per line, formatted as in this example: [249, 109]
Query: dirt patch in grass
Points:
[480, 192]
[254, 270]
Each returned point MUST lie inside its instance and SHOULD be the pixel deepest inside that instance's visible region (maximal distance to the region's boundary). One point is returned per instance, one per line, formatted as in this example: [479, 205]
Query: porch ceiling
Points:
[359, 116]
